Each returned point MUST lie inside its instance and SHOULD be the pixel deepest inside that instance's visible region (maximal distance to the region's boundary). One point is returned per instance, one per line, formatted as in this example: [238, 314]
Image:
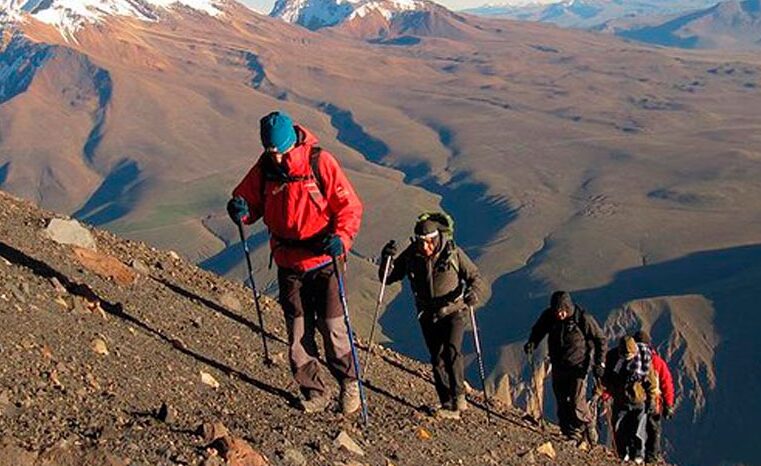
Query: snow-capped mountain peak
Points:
[70, 15]
[315, 14]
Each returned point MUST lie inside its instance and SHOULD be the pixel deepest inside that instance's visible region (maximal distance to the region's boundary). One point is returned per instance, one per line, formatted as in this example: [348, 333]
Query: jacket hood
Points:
[304, 136]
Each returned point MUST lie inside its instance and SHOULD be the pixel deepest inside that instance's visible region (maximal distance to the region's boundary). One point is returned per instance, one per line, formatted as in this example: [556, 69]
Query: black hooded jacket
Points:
[440, 282]
[571, 341]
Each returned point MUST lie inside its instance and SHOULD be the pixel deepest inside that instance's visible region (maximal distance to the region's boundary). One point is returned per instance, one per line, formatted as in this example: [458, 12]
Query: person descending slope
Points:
[631, 381]
[313, 215]
[664, 404]
[574, 338]
[444, 283]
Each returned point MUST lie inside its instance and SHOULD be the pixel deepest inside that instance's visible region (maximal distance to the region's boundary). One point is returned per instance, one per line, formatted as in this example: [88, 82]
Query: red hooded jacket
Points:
[665, 381]
[298, 210]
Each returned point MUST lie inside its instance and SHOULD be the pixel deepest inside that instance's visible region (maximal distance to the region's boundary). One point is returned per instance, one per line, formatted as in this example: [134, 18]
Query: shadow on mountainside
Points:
[730, 279]
[115, 197]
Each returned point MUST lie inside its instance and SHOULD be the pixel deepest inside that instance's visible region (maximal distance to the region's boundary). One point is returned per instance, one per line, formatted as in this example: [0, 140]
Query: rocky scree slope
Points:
[95, 341]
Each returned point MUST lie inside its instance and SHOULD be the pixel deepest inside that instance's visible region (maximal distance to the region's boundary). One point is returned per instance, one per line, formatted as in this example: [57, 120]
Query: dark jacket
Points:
[626, 389]
[571, 341]
[440, 282]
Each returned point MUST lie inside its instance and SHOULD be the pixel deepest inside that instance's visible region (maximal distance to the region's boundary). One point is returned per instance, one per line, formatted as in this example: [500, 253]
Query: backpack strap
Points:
[314, 164]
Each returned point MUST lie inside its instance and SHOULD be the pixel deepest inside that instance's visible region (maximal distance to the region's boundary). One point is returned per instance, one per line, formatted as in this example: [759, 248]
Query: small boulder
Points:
[547, 450]
[423, 433]
[167, 413]
[100, 347]
[106, 266]
[211, 431]
[70, 232]
[237, 452]
[140, 267]
[294, 457]
[207, 379]
[345, 442]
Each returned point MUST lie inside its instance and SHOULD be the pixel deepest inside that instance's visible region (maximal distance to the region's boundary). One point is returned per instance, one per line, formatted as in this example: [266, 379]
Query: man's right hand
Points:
[528, 348]
[237, 209]
[389, 251]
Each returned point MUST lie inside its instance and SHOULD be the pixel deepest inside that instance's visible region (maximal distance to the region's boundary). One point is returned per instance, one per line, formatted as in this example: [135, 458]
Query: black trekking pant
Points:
[444, 340]
[653, 442]
[311, 303]
[629, 430]
[570, 389]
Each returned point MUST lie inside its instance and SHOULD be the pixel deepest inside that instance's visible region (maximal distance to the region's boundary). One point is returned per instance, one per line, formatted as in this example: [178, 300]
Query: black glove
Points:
[528, 348]
[333, 246]
[668, 412]
[471, 299]
[598, 371]
[388, 251]
[237, 209]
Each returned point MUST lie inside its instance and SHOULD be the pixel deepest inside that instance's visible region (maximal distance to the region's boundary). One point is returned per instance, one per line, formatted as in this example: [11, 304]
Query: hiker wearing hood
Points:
[632, 383]
[444, 283]
[313, 214]
[575, 343]
[664, 404]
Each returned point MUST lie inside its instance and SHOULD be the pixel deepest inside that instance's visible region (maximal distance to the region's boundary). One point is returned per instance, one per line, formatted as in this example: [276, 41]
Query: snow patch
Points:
[315, 14]
[70, 15]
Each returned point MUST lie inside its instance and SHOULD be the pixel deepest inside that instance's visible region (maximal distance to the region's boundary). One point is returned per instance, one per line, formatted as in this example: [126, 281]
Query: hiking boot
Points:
[461, 403]
[350, 401]
[445, 413]
[315, 403]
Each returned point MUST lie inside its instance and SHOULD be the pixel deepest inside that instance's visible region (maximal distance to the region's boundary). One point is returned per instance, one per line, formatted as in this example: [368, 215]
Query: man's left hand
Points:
[471, 299]
[333, 246]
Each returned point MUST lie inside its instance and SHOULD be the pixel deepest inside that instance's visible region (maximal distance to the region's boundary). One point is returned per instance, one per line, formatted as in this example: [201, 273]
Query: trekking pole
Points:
[386, 269]
[267, 359]
[477, 343]
[534, 391]
[354, 356]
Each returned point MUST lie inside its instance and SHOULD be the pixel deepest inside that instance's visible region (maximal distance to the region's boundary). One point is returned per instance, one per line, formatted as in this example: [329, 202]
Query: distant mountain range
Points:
[384, 21]
[676, 23]
[586, 13]
[732, 24]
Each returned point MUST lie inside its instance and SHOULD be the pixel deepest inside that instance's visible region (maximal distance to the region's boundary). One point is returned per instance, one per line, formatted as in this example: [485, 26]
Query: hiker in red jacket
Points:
[664, 405]
[313, 214]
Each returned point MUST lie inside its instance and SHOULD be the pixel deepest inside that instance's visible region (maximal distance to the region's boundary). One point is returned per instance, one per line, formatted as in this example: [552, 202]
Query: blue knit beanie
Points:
[277, 131]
